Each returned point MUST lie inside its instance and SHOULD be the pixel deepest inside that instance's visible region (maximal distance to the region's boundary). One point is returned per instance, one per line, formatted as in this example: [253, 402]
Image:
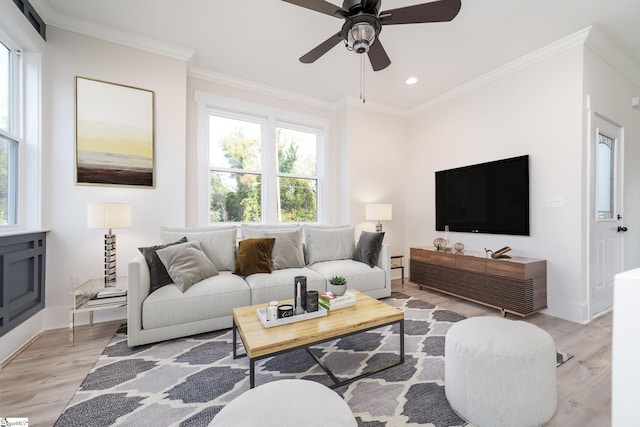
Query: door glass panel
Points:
[605, 177]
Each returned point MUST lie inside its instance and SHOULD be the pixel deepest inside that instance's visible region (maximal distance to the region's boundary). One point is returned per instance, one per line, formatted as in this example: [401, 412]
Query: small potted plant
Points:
[337, 285]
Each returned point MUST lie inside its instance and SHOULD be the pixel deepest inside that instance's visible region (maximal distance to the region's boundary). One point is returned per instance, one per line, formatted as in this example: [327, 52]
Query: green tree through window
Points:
[236, 175]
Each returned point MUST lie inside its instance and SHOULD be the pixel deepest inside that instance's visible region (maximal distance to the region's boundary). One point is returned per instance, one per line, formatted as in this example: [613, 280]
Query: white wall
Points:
[72, 248]
[374, 154]
[536, 111]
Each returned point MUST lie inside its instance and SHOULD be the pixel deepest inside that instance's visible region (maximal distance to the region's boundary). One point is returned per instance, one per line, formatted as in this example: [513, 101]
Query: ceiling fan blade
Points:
[378, 56]
[437, 11]
[321, 6]
[321, 49]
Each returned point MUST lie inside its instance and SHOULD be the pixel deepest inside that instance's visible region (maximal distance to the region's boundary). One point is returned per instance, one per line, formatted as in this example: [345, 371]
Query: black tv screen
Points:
[490, 197]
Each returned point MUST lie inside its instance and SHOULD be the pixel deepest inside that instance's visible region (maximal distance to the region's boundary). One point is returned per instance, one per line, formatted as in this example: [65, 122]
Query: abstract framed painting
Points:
[114, 134]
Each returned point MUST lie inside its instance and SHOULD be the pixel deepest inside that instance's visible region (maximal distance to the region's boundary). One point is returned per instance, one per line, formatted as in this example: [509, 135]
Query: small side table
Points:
[83, 293]
[396, 262]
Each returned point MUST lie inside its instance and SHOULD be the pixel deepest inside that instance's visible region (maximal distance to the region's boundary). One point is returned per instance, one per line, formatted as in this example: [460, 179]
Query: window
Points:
[297, 174]
[9, 81]
[262, 165]
[235, 153]
[605, 176]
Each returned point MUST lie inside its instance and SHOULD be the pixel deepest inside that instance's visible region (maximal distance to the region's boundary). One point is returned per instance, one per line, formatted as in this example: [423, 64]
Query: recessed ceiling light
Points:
[411, 80]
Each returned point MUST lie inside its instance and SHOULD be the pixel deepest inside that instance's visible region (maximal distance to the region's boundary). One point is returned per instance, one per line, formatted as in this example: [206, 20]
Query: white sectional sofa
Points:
[204, 302]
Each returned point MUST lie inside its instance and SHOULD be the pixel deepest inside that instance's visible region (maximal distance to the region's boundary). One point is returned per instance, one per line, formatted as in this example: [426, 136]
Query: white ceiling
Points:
[260, 41]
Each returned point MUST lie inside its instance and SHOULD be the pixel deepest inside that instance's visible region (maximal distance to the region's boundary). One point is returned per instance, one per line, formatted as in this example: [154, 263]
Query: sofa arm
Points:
[138, 289]
[384, 262]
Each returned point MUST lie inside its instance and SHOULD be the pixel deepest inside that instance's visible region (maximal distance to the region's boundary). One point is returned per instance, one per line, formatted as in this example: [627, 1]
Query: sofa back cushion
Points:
[329, 243]
[218, 243]
[250, 231]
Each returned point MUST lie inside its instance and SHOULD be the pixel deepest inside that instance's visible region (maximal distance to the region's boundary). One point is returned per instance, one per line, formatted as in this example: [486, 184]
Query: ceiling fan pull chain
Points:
[362, 87]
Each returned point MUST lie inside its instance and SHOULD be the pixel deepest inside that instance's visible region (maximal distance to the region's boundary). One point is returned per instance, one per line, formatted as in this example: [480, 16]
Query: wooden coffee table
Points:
[260, 342]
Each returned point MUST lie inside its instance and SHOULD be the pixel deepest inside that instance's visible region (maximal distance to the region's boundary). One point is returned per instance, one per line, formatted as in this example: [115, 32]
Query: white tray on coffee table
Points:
[262, 315]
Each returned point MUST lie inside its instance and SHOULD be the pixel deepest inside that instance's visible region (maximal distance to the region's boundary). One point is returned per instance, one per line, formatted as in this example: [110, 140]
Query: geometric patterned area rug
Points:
[185, 382]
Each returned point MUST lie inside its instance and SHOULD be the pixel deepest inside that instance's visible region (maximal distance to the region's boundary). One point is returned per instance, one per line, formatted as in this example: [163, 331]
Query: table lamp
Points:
[378, 212]
[109, 216]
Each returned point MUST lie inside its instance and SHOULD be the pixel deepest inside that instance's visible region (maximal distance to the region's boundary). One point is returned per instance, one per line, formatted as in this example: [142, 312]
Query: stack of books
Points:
[108, 297]
[330, 302]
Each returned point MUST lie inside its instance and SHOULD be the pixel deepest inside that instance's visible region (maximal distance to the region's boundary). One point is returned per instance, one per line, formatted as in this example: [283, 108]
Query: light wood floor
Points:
[40, 381]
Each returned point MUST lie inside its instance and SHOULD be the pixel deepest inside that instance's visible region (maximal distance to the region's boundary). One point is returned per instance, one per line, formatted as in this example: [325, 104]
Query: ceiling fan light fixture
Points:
[361, 36]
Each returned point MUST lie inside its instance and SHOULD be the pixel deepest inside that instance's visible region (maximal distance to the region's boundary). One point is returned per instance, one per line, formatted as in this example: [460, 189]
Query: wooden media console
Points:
[513, 285]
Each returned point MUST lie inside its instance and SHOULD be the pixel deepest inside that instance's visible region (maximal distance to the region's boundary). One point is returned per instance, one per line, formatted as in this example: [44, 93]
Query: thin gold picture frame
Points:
[115, 133]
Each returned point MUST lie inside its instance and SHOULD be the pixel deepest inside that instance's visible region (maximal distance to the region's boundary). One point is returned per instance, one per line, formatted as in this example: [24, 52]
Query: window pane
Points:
[234, 143]
[605, 176]
[298, 199]
[296, 152]
[235, 197]
[4, 87]
[8, 180]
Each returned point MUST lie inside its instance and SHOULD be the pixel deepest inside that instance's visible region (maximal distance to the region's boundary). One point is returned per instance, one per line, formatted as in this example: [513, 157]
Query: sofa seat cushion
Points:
[210, 298]
[280, 284]
[359, 275]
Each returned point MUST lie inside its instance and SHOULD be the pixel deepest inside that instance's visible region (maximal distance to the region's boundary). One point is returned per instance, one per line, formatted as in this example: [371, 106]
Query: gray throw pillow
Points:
[287, 252]
[157, 270]
[218, 243]
[368, 248]
[186, 264]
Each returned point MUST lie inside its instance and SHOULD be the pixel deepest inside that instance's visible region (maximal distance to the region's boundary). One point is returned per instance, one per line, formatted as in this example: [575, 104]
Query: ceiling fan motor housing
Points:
[360, 31]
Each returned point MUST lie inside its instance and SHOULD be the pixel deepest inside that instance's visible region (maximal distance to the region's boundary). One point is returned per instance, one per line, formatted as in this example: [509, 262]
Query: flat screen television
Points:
[489, 197]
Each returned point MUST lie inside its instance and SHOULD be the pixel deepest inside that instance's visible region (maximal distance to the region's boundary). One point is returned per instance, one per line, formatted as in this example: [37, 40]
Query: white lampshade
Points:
[378, 212]
[108, 215]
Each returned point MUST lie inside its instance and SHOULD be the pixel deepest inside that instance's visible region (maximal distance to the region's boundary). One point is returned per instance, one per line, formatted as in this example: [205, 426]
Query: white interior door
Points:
[606, 220]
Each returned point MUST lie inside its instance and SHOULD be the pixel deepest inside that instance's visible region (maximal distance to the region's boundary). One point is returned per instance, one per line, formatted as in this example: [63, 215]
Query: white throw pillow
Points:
[218, 244]
[329, 243]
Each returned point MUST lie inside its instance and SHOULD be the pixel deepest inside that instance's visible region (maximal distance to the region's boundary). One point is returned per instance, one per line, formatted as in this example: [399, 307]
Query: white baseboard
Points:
[569, 310]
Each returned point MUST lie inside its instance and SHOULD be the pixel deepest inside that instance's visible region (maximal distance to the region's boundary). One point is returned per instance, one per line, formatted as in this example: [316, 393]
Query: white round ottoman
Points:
[500, 372]
[287, 403]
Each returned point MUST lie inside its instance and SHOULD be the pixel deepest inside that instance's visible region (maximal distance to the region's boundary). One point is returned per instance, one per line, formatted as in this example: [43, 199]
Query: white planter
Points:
[337, 290]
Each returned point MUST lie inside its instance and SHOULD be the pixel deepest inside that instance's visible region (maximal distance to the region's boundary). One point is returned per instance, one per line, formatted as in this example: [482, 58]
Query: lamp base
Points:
[110, 259]
[379, 227]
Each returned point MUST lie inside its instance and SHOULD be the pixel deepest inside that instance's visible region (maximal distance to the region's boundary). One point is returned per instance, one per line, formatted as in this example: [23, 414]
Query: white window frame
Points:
[208, 102]
[18, 34]
[14, 132]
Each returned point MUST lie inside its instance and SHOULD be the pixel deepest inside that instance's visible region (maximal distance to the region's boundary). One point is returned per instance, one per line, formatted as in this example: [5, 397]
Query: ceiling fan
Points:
[364, 21]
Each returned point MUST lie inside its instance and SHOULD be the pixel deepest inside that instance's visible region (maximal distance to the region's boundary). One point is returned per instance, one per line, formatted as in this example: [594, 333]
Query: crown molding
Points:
[562, 45]
[125, 38]
[612, 55]
[260, 88]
